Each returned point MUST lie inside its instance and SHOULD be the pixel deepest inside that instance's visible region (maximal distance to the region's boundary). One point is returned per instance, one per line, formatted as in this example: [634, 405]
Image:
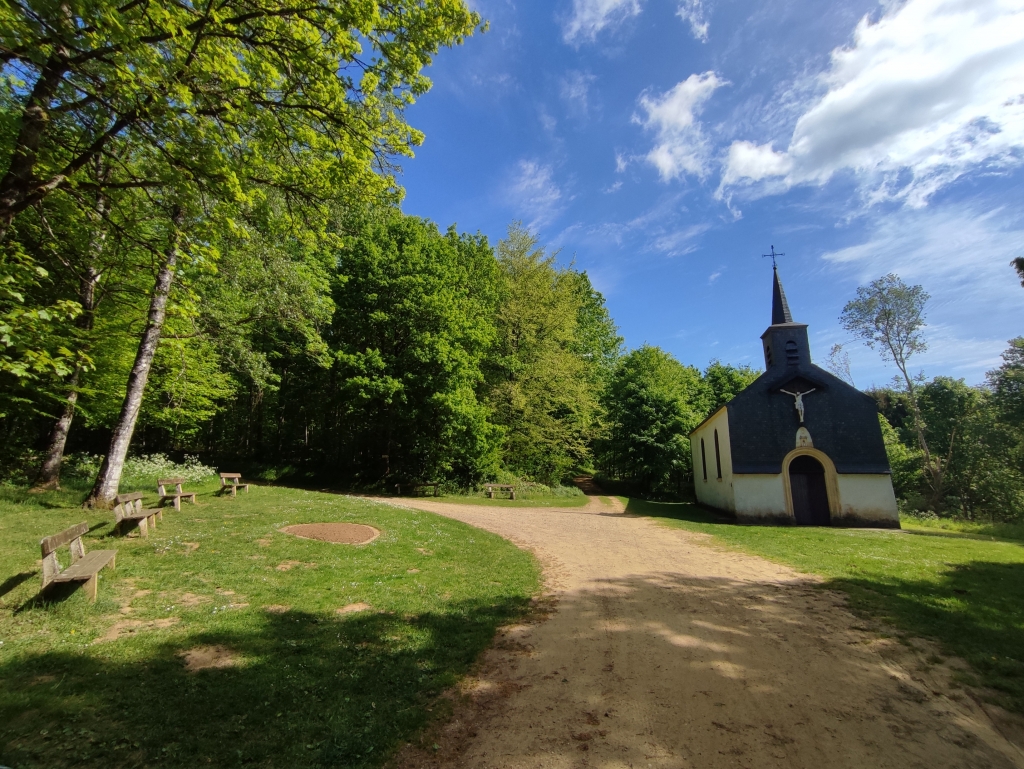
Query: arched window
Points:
[718, 457]
[703, 459]
[792, 353]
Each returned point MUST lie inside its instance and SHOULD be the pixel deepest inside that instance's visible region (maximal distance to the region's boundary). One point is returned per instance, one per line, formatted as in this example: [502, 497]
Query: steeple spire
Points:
[780, 307]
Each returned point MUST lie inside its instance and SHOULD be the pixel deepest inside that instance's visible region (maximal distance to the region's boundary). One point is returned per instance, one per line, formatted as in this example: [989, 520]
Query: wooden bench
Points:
[128, 511]
[424, 486]
[235, 484]
[501, 487]
[175, 496]
[83, 567]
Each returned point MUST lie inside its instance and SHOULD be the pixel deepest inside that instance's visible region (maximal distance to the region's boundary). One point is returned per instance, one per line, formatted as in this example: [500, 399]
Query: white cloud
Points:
[714, 276]
[681, 146]
[613, 187]
[693, 12]
[961, 255]
[621, 162]
[591, 16]
[932, 90]
[575, 90]
[533, 191]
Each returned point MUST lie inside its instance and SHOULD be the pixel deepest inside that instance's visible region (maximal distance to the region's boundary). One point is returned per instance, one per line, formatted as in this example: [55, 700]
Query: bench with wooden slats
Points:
[232, 482]
[128, 512]
[84, 566]
[175, 496]
[508, 488]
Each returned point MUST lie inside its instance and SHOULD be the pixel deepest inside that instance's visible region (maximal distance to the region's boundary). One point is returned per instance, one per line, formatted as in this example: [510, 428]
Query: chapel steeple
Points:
[780, 307]
[785, 341]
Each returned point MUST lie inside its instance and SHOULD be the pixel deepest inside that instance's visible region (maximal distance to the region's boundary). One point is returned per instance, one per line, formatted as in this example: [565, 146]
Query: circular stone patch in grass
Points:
[344, 533]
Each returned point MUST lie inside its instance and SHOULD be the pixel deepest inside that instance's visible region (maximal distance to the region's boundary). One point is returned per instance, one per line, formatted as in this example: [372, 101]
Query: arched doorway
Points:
[809, 491]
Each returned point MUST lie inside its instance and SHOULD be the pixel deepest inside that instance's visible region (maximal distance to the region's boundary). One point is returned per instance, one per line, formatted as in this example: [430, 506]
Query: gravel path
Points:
[664, 651]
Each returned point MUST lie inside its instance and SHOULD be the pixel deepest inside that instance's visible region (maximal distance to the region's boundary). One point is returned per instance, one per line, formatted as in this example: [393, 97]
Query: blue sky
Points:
[666, 144]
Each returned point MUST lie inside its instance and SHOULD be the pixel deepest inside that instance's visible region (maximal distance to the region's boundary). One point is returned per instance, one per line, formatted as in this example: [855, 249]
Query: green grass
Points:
[311, 687]
[963, 589]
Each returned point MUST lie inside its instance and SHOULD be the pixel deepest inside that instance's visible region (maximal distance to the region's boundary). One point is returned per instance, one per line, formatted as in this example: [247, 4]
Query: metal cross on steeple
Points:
[773, 255]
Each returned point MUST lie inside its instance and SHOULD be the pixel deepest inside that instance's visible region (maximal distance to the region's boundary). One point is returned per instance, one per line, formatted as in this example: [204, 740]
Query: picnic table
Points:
[234, 484]
[500, 487]
[83, 568]
[128, 511]
[175, 496]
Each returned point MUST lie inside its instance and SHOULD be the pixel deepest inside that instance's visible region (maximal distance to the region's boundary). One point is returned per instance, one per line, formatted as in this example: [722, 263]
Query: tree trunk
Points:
[932, 468]
[109, 478]
[49, 472]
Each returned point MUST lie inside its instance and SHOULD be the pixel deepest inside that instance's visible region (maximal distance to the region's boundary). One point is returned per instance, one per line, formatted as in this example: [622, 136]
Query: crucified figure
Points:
[799, 401]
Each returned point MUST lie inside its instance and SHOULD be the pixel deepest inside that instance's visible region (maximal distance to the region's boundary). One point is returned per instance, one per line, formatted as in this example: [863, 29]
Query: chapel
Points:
[798, 446]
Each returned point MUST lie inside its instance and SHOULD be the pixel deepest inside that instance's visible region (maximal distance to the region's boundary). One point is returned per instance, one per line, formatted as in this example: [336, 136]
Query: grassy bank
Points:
[964, 588]
[105, 684]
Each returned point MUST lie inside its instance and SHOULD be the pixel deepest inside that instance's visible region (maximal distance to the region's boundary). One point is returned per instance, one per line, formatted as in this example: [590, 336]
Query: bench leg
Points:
[234, 491]
[90, 587]
[159, 516]
[512, 495]
[143, 528]
[177, 503]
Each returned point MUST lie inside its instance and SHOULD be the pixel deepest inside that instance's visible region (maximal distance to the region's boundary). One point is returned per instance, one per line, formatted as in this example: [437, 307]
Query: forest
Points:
[203, 253]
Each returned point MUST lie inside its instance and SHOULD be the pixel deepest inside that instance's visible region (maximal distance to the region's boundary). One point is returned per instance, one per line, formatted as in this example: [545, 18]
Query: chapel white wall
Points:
[714, 492]
[867, 498]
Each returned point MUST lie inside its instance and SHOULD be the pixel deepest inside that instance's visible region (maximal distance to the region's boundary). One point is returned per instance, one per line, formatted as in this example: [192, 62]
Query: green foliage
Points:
[724, 382]
[904, 461]
[413, 324]
[142, 472]
[32, 336]
[553, 341]
[245, 95]
[976, 438]
[652, 404]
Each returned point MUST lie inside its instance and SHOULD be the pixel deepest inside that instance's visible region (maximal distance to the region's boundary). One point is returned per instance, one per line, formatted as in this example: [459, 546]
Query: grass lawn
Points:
[964, 589]
[308, 686]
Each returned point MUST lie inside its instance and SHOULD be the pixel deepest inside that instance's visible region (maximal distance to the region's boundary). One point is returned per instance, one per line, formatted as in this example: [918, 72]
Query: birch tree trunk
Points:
[109, 478]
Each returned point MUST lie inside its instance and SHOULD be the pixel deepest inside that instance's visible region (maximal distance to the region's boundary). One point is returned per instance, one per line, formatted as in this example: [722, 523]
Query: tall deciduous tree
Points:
[888, 316]
[540, 388]
[652, 402]
[211, 103]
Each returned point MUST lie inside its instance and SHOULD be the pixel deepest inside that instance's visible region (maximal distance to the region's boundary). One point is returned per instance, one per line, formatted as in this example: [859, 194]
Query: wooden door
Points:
[809, 492]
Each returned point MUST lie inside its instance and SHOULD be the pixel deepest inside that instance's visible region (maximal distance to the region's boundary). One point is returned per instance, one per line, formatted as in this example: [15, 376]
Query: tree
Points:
[1018, 265]
[839, 364]
[539, 388]
[723, 382]
[215, 95]
[206, 109]
[888, 315]
[648, 403]
[413, 323]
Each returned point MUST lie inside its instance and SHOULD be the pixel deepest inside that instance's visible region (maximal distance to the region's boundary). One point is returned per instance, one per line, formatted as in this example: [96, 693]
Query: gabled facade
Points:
[798, 446]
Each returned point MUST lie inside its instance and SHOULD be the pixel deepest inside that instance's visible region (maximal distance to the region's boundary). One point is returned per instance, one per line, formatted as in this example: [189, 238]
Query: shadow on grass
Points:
[306, 691]
[676, 511]
[976, 610]
[12, 582]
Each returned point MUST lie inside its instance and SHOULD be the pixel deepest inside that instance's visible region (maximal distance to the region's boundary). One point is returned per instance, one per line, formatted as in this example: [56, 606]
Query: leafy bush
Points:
[139, 471]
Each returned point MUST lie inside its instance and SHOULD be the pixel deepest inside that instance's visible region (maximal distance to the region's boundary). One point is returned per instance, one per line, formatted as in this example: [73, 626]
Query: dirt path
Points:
[663, 651]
